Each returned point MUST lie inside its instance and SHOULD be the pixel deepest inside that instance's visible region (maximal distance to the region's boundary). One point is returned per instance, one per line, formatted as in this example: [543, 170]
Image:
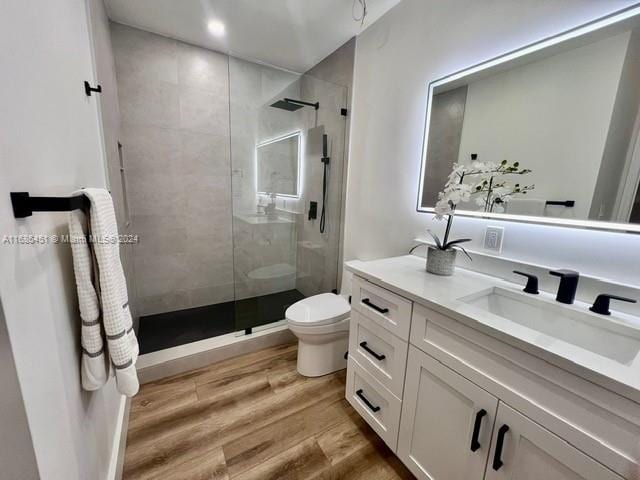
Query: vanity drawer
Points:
[386, 308]
[379, 352]
[375, 404]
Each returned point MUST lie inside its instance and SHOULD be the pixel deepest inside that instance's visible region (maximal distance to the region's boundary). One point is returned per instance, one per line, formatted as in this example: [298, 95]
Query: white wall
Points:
[17, 457]
[396, 58]
[50, 145]
[552, 116]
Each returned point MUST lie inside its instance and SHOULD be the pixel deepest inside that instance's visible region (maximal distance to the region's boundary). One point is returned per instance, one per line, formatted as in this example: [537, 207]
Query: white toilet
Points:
[321, 324]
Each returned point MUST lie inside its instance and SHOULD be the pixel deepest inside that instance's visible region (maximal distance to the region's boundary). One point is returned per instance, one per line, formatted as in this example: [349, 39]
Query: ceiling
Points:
[291, 34]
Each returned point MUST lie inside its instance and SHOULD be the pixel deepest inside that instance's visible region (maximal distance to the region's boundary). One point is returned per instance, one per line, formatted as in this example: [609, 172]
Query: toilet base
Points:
[315, 360]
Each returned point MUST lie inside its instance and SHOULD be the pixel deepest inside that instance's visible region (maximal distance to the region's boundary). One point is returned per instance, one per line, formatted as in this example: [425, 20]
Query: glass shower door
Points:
[287, 201]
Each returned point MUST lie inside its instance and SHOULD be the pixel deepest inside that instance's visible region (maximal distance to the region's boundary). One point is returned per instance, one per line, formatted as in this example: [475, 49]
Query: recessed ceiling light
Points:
[216, 28]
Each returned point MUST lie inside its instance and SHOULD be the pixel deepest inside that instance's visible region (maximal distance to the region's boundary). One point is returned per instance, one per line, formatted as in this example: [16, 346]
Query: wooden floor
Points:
[253, 417]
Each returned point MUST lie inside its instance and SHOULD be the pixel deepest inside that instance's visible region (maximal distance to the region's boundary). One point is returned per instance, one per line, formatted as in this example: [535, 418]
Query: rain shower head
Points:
[288, 106]
[291, 105]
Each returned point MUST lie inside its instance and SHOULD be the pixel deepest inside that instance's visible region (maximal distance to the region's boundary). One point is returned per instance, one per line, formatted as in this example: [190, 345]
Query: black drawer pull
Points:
[375, 355]
[372, 407]
[368, 303]
[475, 443]
[497, 458]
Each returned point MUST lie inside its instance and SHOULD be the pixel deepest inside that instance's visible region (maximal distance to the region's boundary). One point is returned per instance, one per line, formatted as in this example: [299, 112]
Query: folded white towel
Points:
[102, 295]
[526, 206]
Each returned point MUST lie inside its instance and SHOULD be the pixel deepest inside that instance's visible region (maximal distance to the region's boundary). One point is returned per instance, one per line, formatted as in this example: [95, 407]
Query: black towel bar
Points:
[24, 205]
[564, 203]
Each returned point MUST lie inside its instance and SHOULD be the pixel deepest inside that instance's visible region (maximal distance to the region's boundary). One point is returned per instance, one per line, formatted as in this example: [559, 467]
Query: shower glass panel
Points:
[282, 125]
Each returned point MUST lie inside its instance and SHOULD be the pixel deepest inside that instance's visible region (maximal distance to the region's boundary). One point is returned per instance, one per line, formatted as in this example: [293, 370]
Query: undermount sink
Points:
[597, 334]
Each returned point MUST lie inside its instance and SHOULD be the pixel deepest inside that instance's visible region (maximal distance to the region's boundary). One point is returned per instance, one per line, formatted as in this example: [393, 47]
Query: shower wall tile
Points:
[144, 56]
[204, 153]
[157, 194]
[174, 100]
[203, 69]
[150, 149]
[177, 300]
[153, 222]
[160, 241]
[148, 103]
[203, 111]
[199, 297]
[209, 271]
[162, 274]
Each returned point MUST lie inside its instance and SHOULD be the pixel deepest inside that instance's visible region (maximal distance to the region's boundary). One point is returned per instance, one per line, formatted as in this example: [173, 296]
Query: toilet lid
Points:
[322, 309]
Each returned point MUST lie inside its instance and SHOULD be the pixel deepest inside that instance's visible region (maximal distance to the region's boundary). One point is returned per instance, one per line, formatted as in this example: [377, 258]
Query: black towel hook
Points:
[88, 88]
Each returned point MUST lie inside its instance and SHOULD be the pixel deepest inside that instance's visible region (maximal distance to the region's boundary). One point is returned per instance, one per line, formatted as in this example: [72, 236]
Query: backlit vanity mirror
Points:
[562, 113]
[278, 164]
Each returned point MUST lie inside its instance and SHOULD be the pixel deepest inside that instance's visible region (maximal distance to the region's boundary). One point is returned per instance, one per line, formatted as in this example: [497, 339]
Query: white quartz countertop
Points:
[408, 277]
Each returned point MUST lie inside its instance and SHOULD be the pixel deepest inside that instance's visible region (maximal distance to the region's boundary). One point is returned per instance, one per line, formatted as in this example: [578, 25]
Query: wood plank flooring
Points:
[253, 418]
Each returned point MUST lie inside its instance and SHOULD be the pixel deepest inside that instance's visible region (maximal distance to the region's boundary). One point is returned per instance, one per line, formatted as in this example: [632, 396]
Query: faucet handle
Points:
[532, 282]
[564, 273]
[601, 305]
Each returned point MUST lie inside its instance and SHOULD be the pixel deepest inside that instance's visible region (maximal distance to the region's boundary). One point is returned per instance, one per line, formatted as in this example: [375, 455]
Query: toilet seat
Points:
[323, 309]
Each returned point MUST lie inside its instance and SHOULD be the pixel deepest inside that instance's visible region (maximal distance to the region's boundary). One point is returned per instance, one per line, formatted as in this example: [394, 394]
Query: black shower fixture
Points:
[291, 105]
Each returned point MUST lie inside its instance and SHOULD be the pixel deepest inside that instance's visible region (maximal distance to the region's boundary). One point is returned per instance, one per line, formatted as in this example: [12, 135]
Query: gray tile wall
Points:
[174, 102]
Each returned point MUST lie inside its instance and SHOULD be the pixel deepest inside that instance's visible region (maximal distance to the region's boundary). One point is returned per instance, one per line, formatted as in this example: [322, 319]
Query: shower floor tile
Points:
[170, 329]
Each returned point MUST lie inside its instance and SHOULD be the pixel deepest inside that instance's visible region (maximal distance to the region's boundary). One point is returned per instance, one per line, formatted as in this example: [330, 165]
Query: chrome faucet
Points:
[568, 285]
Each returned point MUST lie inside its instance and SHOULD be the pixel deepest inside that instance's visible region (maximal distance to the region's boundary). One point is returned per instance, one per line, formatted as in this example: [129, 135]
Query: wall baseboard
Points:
[116, 465]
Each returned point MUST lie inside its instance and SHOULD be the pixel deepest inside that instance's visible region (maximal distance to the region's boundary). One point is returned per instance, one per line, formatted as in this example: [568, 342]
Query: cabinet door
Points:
[446, 425]
[523, 450]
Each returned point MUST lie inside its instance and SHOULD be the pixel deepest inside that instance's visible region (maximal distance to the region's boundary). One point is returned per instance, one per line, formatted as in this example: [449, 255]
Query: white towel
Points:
[533, 207]
[102, 295]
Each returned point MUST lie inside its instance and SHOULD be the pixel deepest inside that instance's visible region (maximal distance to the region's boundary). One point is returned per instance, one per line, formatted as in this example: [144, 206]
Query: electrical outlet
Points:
[493, 237]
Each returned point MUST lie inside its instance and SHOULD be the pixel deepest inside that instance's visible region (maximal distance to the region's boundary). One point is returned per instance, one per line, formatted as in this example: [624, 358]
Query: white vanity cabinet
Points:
[445, 431]
[451, 429]
[455, 403]
[522, 449]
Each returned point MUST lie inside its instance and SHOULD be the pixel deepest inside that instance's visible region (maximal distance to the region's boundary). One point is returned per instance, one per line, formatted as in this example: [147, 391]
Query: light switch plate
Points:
[493, 237]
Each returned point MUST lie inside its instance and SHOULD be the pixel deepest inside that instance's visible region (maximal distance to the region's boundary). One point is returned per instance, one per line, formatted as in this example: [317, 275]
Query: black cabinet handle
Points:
[372, 407]
[375, 355]
[368, 303]
[475, 443]
[497, 457]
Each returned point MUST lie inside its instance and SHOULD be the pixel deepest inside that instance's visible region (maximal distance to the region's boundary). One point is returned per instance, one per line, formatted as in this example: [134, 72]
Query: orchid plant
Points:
[491, 192]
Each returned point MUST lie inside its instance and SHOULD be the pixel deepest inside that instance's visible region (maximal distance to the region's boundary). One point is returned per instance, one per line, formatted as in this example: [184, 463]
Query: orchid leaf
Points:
[435, 239]
[465, 252]
[455, 242]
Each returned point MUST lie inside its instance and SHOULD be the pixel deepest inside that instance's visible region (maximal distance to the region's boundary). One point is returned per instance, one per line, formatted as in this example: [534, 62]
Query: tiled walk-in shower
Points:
[225, 190]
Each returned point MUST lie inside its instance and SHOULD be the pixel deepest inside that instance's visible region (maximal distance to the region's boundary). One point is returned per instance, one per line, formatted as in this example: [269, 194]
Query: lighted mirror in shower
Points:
[278, 165]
